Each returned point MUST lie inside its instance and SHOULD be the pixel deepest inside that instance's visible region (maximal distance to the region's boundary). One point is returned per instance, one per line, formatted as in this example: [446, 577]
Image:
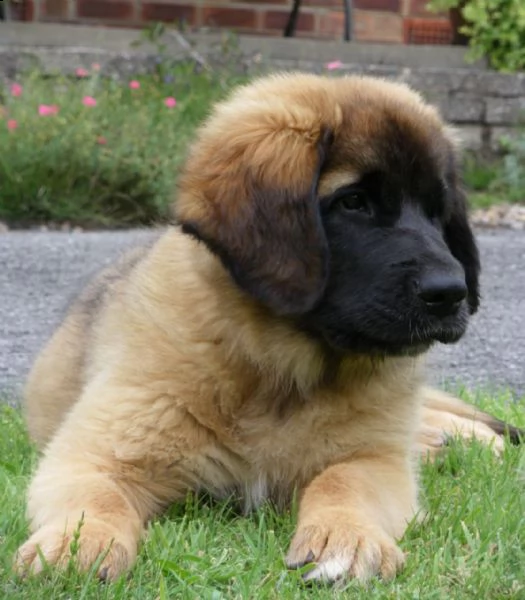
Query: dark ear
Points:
[460, 240]
[264, 225]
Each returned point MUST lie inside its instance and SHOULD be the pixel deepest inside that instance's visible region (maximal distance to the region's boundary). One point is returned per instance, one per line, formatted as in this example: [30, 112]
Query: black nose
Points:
[442, 292]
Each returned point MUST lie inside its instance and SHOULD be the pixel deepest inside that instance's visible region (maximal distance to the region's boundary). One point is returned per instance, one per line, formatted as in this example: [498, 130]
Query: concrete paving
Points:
[40, 272]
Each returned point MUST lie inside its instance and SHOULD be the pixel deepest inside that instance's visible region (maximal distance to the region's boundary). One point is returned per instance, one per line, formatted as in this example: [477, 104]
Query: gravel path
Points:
[41, 271]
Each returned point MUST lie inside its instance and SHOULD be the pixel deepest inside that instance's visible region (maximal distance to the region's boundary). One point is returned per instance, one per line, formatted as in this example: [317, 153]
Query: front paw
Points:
[90, 541]
[340, 548]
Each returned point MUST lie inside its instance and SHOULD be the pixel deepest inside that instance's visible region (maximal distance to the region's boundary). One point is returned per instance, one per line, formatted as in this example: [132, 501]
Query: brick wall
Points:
[373, 20]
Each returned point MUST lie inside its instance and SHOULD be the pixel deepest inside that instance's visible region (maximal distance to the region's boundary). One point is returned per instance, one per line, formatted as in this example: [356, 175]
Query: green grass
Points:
[471, 544]
[111, 164]
[497, 180]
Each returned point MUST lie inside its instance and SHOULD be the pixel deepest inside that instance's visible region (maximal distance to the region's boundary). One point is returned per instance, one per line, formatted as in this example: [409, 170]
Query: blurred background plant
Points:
[96, 151]
[499, 179]
[495, 29]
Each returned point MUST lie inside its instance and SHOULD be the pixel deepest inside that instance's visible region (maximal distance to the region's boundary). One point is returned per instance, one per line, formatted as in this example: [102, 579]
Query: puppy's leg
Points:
[350, 517]
[70, 498]
[118, 458]
[444, 416]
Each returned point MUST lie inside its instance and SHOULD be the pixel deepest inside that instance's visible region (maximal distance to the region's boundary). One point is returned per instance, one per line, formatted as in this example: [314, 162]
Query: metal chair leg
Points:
[348, 20]
[292, 19]
[294, 15]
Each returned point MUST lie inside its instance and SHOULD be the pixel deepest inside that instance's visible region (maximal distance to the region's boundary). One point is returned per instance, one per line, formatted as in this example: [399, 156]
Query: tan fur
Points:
[445, 416]
[166, 377]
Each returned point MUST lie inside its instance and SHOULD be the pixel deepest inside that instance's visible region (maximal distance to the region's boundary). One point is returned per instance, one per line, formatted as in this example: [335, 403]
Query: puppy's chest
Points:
[284, 450]
[291, 448]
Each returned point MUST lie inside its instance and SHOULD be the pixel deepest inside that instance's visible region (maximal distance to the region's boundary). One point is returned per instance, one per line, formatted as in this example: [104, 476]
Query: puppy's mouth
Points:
[402, 337]
[428, 329]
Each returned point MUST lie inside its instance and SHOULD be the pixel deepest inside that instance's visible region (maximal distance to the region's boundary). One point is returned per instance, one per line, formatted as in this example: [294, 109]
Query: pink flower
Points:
[12, 124]
[45, 110]
[134, 84]
[170, 102]
[80, 72]
[95, 67]
[101, 140]
[89, 101]
[16, 90]
[333, 65]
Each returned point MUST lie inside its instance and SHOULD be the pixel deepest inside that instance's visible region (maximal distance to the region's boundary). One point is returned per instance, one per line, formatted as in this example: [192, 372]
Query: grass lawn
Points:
[471, 543]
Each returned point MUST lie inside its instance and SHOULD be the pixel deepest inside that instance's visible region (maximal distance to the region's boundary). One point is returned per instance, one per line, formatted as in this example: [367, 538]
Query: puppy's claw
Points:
[309, 557]
[342, 552]
[332, 569]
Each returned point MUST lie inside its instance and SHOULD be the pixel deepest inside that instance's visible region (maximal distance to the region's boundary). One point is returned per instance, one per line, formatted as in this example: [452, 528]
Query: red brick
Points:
[370, 26]
[29, 11]
[427, 31]
[419, 8]
[101, 9]
[251, 4]
[274, 19]
[168, 12]
[321, 3]
[56, 9]
[385, 5]
[20, 11]
[332, 24]
[229, 17]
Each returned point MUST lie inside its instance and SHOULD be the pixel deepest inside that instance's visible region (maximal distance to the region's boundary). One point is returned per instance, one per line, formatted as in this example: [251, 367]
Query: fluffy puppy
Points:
[270, 341]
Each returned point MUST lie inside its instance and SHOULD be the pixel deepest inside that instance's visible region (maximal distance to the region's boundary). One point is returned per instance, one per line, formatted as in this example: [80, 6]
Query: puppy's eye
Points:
[352, 201]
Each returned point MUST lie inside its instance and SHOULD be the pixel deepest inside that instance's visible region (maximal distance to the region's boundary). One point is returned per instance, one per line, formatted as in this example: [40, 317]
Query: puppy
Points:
[271, 340]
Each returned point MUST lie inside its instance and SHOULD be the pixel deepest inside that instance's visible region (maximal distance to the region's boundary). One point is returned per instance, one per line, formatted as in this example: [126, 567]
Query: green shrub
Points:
[512, 174]
[498, 180]
[91, 150]
[479, 174]
[495, 28]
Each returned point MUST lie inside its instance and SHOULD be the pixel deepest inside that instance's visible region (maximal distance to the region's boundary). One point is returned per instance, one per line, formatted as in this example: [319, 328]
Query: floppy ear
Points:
[460, 240]
[250, 194]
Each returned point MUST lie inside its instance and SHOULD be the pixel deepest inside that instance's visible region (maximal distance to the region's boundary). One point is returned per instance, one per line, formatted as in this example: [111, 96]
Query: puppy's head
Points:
[336, 203]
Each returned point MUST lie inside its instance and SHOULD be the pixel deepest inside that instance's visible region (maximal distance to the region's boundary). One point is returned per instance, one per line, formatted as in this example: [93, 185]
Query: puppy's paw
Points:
[483, 433]
[430, 443]
[56, 546]
[433, 439]
[339, 549]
